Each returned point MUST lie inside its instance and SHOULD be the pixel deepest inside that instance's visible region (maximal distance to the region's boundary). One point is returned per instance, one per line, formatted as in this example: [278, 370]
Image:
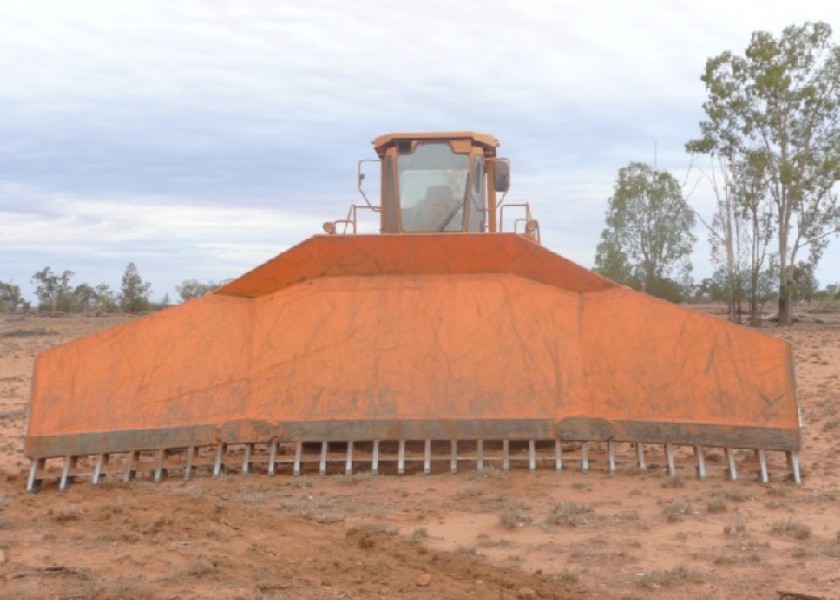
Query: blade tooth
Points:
[640, 456]
[731, 467]
[532, 455]
[374, 461]
[669, 458]
[793, 463]
[762, 466]
[97, 469]
[218, 464]
[66, 477]
[298, 452]
[246, 458]
[584, 457]
[130, 463]
[272, 457]
[159, 470]
[348, 464]
[34, 482]
[188, 466]
[701, 462]
[322, 463]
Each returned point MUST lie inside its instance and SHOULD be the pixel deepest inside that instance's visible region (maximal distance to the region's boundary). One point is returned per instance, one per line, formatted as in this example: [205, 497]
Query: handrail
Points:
[351, 221]
[530, 225]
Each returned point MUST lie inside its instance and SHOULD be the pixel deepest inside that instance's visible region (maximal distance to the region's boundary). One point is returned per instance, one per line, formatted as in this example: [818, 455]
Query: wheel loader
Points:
[452, 339]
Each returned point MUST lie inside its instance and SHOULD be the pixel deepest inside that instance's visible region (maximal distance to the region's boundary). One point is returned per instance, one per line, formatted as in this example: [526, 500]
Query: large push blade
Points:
[431, 337]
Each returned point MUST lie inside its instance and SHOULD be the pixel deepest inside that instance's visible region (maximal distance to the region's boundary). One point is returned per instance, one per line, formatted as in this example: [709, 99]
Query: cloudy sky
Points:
[199, 139]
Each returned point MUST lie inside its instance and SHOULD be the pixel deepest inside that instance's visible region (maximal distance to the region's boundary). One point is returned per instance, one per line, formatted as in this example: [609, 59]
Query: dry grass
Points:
[513, 514]
[791, 528]
[64, 514]
[676, 510]
[669, 578]
[569, 514]
[737, 527]
[672, 481]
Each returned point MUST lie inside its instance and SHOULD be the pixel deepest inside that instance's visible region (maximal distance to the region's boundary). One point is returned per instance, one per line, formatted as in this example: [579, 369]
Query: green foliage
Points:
[53, 291]
[193, 288]
[106, 299]
[778, 106]
[804, 282]
[135, 293]
[10, 297]
[647, 240]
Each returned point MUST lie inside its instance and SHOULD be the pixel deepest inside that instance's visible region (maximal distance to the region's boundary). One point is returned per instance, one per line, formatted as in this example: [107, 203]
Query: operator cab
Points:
[444, 182]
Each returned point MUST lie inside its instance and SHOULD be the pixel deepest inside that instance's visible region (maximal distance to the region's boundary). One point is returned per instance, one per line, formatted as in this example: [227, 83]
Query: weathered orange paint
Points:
[432, 329]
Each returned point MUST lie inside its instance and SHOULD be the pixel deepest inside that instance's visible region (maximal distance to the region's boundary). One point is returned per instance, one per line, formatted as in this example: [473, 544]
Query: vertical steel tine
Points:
[701, 462]
[159, 454]
[66, 477]
[505, 455]
[793, 463]
[374, 461]
[322, 464]
[348, 462]
[101, 460]
[217, 460]
[762, 466]
[558, 455]
[453, 456]
[34, 482]
[479, 455]
[188, 467]
[640, 456]
[427, 457]
[131, 459]
[246, 458]
[401, 458]
[584, 457]
[611, 457]
[298, 452]
[272, 457]
[532, 455]
[731, 467]
[669, 459]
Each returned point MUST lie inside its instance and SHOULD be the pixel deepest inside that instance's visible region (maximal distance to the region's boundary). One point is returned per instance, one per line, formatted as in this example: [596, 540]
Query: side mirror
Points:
[501, 175]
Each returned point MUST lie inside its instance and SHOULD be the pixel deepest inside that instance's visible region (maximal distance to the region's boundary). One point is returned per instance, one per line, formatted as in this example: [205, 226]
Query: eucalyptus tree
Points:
[779, 104]
[53, 290]
[135, 292]
[648, 236]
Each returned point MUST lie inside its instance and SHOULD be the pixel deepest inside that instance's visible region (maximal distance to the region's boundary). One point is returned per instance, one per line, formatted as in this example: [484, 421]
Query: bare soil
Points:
[494, 534]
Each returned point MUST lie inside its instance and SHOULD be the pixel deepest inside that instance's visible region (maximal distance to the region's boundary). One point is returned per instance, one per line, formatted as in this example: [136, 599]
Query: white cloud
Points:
[202, 135]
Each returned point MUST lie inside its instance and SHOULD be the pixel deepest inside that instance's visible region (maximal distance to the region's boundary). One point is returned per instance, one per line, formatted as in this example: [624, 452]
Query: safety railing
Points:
[351, 222]
[525, 225]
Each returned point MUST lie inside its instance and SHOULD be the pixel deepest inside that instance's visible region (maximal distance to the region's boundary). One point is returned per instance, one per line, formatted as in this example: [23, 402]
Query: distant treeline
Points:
[56, 293]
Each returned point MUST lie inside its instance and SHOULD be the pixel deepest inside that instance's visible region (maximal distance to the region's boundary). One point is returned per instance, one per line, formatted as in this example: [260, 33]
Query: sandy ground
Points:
[491, 534]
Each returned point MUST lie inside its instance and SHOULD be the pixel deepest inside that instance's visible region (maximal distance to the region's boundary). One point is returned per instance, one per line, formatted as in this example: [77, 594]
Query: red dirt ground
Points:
[492, 534]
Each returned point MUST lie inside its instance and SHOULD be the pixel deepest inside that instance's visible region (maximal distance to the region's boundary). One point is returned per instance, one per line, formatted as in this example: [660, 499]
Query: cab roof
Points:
[486, 141]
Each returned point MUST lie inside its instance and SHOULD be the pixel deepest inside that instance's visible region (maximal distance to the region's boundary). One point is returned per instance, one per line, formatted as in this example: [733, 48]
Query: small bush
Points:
[716, 505]
[513, 514]
[672, 481]
[737, 527]
[676, 510]
[570, 514]
[792, 529]
[669, 577]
